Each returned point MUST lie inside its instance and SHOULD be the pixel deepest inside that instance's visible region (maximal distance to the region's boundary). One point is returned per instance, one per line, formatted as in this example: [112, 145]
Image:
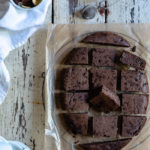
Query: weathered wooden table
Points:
[22, 113]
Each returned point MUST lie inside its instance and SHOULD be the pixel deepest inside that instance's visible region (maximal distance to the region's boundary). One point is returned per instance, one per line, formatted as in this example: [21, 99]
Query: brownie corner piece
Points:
[106, 100]
[105, 126]
[134, 103]
[75, 79]
[78, 56]
[132, 60]
[134, 81]
[109, 145]
[105, 77]
[103, 57]
[75, 101]
[77, 123]
[132, 125]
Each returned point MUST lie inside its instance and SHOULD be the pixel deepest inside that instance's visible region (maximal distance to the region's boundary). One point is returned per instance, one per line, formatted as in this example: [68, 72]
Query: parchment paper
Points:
[61, 39]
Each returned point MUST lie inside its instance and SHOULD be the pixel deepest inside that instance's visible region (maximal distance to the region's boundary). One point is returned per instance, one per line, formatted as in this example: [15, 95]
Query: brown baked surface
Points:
[106, 100]
[112, 145]
[134, 104]
[105, 77]
[78, 56]
[77, 123]
[75, 101]
[134, 81]
[105, 126]
[101, 96]
[103, 57]
[132, 60]
[132, 125]
[108, 38]
[76, 79]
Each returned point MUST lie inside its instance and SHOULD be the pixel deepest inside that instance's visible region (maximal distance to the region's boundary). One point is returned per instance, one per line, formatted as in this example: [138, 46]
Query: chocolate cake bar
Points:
[75, 79]
[103, 57]
[134, 81]
[112, 145]
[108, 38]
[77, 123]
[104, 77]
[78, 56]
[106, 100]
[132, 60]
[105, 126]
[132, 125]
[134, 104]
[75, 101]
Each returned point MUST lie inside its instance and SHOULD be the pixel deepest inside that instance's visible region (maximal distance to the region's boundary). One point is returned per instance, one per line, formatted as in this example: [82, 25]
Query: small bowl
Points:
[24, 8]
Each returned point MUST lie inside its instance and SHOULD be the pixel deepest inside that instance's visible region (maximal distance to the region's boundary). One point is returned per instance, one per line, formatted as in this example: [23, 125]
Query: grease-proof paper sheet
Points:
[61, 39]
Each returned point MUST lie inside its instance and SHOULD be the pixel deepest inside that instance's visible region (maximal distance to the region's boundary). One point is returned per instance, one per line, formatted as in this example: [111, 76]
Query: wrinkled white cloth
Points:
[12, 145]
[16, 26]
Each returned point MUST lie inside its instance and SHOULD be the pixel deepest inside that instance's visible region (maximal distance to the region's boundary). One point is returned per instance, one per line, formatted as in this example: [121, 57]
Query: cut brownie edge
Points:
[77, 123]
[78, 56]
[105, 126]
[132, 60]
[132, 125]
[75, 79]
[106, 100]
[75, 101]
[134, 104]
[106, 38]
[108, 145]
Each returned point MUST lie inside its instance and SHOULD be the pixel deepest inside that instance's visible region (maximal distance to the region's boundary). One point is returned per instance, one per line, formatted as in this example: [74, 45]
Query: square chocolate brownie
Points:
[134, 81]
[134, 104]
[105, 126]
[105, 77]
[109, 145]
[75, 79]
[103, 57]
[75, 101]
[132, 125]
[77, 123]
[106, 100]
[78, 56]
[132, 60]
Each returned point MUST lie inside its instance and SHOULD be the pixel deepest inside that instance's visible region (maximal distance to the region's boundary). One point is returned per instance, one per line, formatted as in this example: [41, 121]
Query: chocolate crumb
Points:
[133, 49]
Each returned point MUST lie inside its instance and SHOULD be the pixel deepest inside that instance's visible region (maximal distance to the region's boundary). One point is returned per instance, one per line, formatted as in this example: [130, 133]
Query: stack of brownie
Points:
[105, 88]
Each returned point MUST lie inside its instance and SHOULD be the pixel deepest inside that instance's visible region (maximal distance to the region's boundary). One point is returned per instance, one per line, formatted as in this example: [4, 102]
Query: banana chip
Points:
[25, 6]
[36, 2]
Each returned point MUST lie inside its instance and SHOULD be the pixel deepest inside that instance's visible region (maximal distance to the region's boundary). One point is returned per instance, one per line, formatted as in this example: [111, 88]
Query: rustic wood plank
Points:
[68, 11]
[129, 11]
[22, 115]
[121, 11]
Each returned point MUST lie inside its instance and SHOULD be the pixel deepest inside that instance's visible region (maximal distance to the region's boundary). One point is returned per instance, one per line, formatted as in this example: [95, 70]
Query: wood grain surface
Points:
[22, 114]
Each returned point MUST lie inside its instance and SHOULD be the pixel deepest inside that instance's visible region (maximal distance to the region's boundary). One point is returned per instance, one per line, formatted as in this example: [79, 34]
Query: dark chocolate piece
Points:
[77, 123]
[132, 125]
[75, 101]
[112, 145]
[103, 57]
[134, 104]
[106, 100]
[134, 81]
[108, 38]
[78, 56]
[104, 77]
[105, 126]
[75, 79]
[132, 60]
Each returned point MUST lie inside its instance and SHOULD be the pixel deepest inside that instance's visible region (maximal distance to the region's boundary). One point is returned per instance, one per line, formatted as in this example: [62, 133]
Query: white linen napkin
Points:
[16, 26]
[12, 145]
